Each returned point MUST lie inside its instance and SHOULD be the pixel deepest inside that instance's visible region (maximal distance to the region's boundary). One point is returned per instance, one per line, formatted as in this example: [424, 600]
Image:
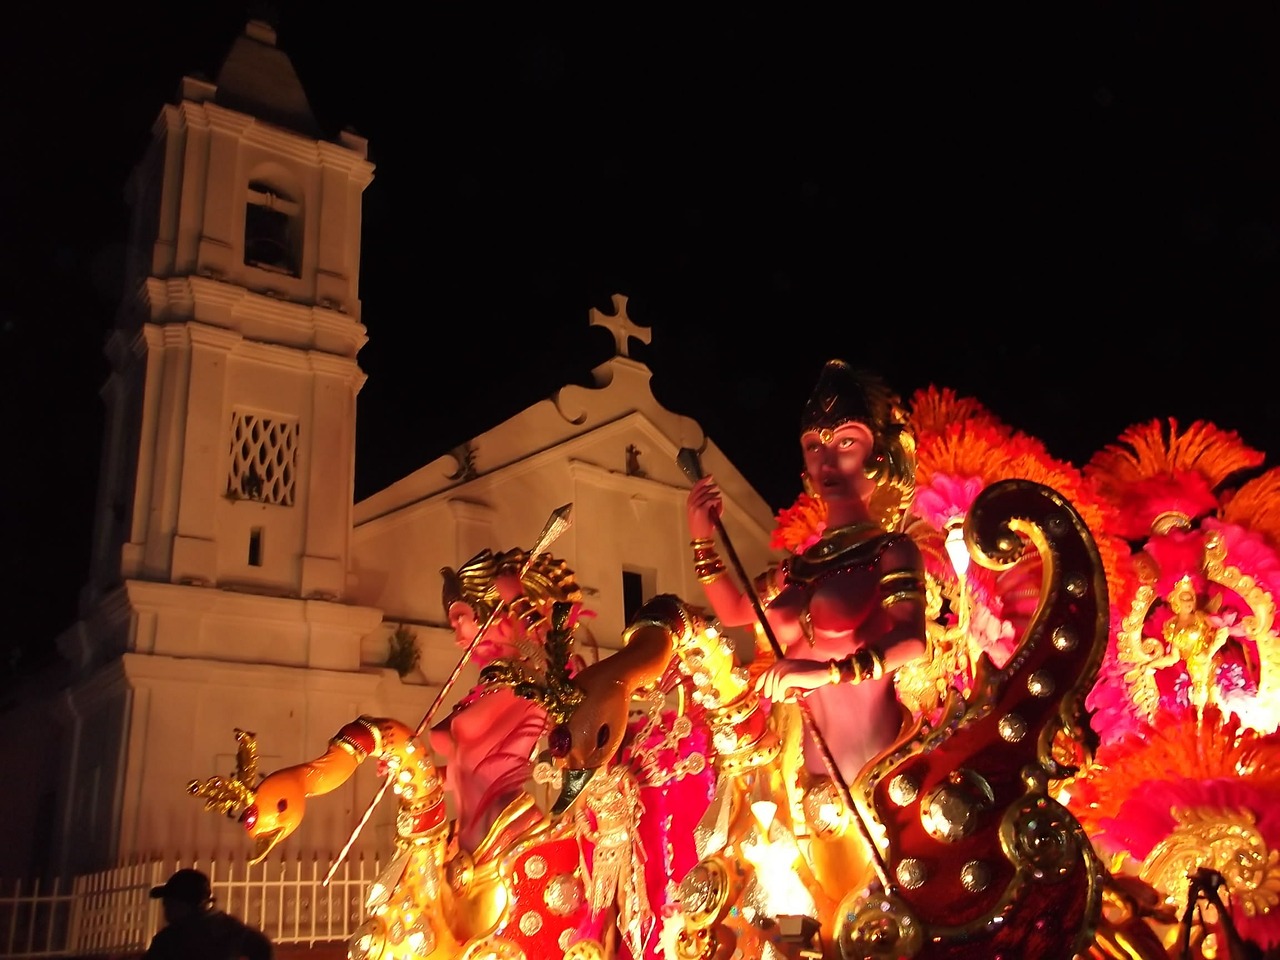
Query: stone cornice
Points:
[260, 133]
[149, 669]
[355, 165]
[232, 343]
[252, 315]
[175, 117]
[215, 603]
[202, 335]
[470, 510]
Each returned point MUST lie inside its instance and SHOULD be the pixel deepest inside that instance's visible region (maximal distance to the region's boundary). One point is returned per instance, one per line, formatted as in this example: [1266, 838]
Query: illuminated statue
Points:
[956, 819]
[715, 874]
[272, 810]
[489, 739]
[791, 806]
[520, 889]
[849, 608]
[1194, 640]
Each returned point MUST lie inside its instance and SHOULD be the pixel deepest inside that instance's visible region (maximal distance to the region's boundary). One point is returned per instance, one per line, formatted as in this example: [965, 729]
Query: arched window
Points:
[272, 229]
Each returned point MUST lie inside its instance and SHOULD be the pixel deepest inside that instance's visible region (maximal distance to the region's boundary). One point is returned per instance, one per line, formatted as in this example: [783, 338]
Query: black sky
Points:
[1069, 211]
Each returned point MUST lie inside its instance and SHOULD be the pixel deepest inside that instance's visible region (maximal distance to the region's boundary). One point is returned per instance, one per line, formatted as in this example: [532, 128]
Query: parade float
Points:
[1088, 765]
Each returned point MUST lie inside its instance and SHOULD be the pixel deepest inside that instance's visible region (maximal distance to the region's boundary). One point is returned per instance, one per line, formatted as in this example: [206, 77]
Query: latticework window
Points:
[263, 464]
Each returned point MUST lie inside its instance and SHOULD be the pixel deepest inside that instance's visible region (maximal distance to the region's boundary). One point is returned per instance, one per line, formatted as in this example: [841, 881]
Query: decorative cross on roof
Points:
[620, 325]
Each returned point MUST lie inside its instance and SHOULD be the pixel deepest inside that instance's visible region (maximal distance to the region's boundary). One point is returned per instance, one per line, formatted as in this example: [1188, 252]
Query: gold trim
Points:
[899, 596]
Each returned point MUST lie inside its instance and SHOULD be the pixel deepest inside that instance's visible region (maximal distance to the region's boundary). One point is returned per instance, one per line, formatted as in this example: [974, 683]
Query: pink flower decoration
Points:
[1112, 714]
[945, 498]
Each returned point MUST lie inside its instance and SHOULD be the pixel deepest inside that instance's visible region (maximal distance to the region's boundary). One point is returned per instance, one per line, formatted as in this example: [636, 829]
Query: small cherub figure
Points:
[1193, 639]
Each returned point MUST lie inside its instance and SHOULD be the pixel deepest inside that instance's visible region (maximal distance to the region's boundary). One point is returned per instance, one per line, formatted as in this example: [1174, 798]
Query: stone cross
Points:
[620, 325]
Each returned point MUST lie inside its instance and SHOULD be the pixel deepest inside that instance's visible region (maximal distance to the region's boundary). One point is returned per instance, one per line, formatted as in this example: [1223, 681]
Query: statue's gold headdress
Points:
[845, 395]
[546, 580]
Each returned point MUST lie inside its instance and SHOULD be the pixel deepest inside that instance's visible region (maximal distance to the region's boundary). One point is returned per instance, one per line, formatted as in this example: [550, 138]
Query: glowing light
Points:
[763, 807]
[764, 811]
[776, 858]
[957, 552]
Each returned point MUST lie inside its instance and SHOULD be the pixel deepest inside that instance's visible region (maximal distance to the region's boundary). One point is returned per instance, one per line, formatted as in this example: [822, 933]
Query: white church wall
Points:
[229, 625]
[194, 708]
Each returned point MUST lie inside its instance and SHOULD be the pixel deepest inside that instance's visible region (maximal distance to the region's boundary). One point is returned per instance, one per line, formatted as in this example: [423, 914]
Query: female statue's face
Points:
[834, 460]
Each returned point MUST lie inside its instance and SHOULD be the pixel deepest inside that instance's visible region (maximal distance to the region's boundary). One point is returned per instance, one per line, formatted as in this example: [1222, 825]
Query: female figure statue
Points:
[847, 610]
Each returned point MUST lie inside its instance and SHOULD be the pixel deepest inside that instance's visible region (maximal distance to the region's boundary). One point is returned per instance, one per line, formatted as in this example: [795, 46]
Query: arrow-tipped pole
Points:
[559, 521]
[690, 463]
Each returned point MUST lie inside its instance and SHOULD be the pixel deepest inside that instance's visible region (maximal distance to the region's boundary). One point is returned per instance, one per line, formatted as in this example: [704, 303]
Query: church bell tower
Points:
[229, 459]
[218, 591]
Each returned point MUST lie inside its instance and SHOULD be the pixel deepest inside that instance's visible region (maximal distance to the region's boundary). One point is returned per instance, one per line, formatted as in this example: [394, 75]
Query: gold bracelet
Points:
[871, 663]
[863, 664]
[834, 674]
[707, 564]
[708, 569]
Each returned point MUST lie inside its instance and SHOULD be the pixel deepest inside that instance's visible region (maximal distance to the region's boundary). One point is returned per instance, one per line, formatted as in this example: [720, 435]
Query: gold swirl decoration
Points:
[979, 857]
[1259, 626]
[1227, 841]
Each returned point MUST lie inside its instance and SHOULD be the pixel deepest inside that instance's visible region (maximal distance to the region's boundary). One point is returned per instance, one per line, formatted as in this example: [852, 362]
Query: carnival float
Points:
[1088, 762]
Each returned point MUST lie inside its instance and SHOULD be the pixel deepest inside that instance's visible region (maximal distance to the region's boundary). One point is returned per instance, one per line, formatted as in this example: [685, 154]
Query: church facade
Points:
[235, 583]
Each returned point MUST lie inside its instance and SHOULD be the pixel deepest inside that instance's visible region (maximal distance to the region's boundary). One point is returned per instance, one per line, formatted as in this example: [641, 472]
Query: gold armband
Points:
[864, 664]
[708, 570]
[899, 585]
[707, 564]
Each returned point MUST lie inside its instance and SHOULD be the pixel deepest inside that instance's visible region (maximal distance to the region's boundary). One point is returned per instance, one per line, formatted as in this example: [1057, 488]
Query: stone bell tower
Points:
[231, 405]
[218, 591]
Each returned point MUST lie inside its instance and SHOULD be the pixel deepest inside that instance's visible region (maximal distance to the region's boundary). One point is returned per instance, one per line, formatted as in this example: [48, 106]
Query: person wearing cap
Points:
[195, 929]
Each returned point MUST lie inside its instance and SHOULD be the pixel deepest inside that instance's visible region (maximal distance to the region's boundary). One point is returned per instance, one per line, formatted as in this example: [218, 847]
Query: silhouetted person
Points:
[197, 930]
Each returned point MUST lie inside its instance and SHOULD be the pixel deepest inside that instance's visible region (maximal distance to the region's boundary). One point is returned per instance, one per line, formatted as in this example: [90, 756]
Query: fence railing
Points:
[111, 912]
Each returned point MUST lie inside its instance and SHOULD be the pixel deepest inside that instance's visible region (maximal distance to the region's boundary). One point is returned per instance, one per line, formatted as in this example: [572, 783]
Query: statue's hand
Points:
[786, 679]
[704, 506]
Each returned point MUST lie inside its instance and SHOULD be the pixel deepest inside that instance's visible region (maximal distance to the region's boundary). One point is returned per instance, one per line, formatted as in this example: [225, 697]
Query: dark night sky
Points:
[1069, 211]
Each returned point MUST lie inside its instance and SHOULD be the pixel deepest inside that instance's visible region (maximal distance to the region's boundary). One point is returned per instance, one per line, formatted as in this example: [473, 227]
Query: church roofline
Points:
[256, 78]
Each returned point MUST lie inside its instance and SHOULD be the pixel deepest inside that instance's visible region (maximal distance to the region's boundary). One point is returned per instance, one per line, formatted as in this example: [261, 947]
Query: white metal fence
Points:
[111, 912]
